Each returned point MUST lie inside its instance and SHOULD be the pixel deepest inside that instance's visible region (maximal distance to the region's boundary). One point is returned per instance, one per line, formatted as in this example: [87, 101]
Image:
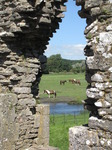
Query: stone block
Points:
[95, 11]
[94, 93]
[92, 3]
[41, 147]
[37, 121]
[101, 103]
[80, 138]
[97, 78]
[8, 127]
[96, 123]
[22, 90]
[28, 78]
[27, 102]
[42, 109]
[44, 20]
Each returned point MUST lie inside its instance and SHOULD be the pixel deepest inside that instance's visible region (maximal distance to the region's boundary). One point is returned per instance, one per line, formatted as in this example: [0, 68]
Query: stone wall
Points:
[98, 134]
[25, 29]
[8, 127]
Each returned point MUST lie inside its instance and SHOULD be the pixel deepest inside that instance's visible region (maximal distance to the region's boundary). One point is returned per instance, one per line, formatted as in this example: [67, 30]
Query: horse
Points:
[62, 82]
[78, 82]
[72, 81]
[75, 81]
[50, 92]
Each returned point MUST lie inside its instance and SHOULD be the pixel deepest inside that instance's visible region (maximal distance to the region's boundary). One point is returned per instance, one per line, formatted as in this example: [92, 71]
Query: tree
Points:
[79, 67]
[55, 63]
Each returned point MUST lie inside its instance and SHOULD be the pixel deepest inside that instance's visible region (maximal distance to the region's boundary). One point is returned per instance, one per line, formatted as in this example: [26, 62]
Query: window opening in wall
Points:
[65, 61]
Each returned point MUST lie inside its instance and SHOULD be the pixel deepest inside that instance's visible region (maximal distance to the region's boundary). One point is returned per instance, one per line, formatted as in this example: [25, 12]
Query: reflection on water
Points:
[64, 108]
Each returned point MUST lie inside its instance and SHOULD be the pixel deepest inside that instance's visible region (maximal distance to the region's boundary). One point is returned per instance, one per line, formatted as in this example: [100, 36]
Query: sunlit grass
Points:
[59, 128]
[52, 82]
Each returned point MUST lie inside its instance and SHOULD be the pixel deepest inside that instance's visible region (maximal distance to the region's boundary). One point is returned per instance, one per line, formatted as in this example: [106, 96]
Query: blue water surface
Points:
[64, 108]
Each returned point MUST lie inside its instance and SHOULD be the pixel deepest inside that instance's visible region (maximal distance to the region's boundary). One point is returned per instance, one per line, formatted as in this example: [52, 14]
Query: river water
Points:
[64, 108]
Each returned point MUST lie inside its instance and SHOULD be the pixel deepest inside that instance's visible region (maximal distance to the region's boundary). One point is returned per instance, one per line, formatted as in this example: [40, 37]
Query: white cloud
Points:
[73, 52]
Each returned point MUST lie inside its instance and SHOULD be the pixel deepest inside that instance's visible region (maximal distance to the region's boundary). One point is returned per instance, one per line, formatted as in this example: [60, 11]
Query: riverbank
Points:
[59, 99]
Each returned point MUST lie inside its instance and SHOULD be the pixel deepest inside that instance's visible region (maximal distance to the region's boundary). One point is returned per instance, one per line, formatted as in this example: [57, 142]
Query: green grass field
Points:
[59, 128]
[59, 125]
[69, 90]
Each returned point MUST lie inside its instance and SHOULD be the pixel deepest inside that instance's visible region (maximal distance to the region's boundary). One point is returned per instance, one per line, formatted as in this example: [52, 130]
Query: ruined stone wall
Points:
[98, 134]
[25, 29]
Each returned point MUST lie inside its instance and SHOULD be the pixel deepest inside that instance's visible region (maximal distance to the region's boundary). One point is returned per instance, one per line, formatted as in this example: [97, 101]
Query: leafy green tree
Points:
[66, 66]
[79, 67]
[55, 63]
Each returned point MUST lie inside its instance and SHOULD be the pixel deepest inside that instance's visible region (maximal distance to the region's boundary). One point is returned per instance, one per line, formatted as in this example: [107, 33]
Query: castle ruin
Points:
[26, 27]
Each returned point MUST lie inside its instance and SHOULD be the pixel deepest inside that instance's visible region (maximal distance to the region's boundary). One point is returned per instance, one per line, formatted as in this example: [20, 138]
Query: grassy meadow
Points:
[60, 124]
[59, 128]
[74, 92]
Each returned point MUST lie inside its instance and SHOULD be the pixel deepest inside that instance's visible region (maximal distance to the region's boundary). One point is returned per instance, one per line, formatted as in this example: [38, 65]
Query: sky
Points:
[69, 39]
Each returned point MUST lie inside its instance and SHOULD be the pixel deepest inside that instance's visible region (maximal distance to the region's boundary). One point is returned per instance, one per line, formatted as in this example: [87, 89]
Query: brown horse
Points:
[75, 81]
[50, 92]
[72, 80]
[62, 82]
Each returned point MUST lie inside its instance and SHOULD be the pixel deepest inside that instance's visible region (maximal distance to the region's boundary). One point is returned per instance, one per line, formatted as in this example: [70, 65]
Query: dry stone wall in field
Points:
[98, 134]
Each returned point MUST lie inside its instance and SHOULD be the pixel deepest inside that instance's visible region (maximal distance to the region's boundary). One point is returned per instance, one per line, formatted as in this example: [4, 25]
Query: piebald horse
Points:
[50, 92]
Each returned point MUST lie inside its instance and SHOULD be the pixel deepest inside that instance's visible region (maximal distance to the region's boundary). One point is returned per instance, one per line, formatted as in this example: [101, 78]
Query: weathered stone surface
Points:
[43, 109]
[97, 78]
[25, 30]
[101, 103]
[96, 123]
[43, 148]
[94, 93]
[95, 11]
[8, 127]
[92, 3]
[22, 90]
[98, 50]
[81, 138]
[20, 96]
[43, 120]
[105, 111]
[26, 101]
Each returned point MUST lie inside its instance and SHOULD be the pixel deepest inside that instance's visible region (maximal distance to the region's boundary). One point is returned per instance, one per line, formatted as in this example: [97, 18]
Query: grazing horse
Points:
[78, 82]
[50, 92]
[72, 81]
[62, 82]
[75, 81]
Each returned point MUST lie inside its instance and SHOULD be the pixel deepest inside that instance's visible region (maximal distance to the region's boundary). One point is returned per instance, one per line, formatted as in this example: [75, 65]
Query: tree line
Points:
[56, 64]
